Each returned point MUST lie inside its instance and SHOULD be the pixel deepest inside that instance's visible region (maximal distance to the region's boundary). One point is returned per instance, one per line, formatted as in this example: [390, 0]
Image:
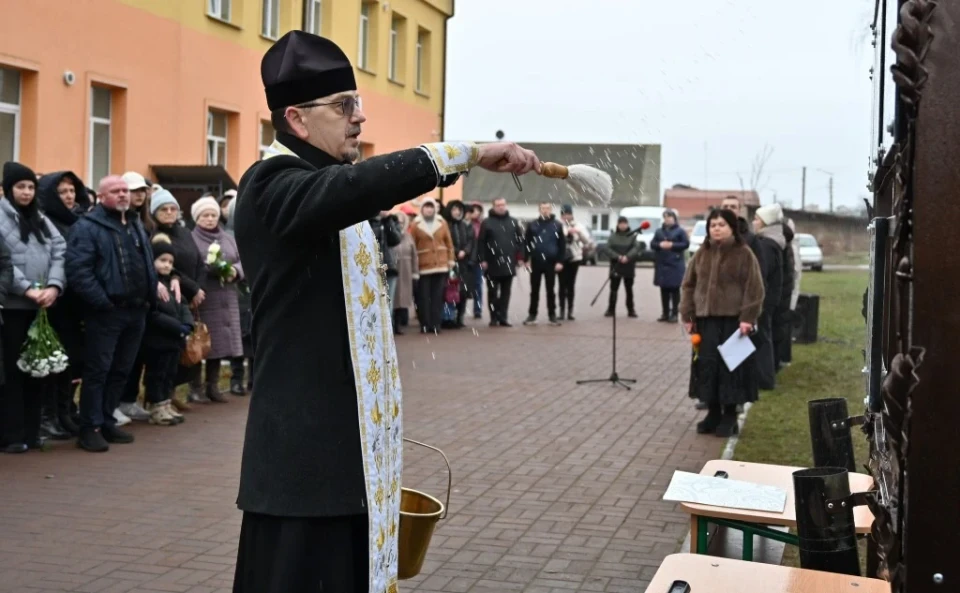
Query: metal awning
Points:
[171, 176]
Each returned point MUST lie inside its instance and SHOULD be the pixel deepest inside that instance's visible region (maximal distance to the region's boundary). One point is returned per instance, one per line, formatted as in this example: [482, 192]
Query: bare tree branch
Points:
[758, 181]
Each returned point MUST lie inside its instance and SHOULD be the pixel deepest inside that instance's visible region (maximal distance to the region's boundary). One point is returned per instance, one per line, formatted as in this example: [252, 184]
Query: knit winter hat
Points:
[566, 209]
[202, 205]
[161, 198]
[14, 173]
[771, 214]
[162, 245]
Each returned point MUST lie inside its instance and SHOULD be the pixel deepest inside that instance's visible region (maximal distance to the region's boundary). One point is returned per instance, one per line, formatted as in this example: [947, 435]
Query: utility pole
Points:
[831, 194]
[803, 190]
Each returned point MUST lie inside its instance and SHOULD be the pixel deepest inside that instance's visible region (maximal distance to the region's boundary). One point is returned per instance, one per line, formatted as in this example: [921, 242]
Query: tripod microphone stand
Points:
[614, 377]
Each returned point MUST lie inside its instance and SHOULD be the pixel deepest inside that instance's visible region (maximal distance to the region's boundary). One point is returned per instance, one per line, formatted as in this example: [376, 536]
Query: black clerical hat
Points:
[301, 67]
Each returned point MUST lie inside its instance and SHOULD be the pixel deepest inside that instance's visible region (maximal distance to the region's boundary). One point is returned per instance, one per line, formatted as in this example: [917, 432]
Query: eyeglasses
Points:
[348, 105]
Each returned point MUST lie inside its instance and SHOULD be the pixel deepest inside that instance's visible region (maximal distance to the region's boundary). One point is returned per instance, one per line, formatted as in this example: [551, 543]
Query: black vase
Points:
[830, 433]
[828, 539]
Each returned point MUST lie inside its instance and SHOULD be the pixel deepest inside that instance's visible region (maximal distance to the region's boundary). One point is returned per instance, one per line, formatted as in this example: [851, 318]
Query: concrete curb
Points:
[732, 441]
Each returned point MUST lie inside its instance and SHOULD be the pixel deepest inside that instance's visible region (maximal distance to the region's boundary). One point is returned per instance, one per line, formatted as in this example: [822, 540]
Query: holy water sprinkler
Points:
[516, 180]
[584, 180]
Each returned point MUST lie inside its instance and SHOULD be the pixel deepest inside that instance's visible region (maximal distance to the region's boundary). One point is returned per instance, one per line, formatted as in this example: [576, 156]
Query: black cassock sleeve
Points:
[297, 201]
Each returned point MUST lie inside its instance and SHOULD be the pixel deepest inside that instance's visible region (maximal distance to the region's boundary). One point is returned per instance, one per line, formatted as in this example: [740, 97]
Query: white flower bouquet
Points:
[221, 268]
[42, 354]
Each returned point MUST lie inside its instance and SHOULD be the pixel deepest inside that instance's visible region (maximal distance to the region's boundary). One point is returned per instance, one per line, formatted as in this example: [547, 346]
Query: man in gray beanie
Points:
[320, 475]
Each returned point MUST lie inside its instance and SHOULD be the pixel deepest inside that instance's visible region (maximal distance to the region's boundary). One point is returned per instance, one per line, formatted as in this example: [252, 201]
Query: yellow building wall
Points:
[167, 63]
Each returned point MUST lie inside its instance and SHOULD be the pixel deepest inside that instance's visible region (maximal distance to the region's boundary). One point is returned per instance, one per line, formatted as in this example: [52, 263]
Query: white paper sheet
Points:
[736, 350]
[724, 492]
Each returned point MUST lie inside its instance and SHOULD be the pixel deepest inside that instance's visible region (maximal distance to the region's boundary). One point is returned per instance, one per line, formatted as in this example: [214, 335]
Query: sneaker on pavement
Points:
[160, 414]
[177, 416]
[554, 320]
[121, 418]
[135, 411]
[530, 320]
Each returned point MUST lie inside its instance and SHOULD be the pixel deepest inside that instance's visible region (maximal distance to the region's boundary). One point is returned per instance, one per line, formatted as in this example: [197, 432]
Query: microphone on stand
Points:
[643, 226]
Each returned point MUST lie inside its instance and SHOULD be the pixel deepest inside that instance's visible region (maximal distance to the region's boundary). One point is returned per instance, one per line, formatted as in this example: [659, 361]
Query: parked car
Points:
[697, 235]
[592, 256]
[810, 254]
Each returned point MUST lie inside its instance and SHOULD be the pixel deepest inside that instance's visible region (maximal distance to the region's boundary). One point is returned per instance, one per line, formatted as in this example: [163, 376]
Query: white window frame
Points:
[215, 141]
[15, 110]
[215, 9]
[313, 14]
[364, 37]
[394, 46]
[264, 147]
[419, 73]
[94, 120]
[270, 25]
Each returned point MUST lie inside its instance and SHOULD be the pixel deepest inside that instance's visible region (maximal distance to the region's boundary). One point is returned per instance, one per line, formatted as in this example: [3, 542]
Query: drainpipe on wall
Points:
[443, 91]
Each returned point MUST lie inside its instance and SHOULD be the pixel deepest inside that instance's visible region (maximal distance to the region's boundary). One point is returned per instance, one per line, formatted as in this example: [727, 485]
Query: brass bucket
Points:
[419, 513]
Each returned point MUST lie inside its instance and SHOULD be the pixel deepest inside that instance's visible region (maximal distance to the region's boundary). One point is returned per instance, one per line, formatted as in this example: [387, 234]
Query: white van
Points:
[636, 215]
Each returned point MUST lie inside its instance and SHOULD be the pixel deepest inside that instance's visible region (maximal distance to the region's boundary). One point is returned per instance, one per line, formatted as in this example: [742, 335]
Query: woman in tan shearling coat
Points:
[722, 293]
[435, 257]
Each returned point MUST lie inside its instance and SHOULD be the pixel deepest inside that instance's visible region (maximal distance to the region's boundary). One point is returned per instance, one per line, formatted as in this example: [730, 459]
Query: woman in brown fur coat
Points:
[722, 293]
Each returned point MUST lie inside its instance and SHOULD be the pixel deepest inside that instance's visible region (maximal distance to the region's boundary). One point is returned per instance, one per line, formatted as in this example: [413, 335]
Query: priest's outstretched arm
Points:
[298, 201]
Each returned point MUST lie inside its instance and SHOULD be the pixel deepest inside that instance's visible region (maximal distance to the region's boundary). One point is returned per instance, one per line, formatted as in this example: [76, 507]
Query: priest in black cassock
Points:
[320, 480]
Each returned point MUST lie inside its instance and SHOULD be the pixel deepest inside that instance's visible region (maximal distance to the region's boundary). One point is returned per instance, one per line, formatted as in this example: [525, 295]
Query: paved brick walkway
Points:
[556, 486]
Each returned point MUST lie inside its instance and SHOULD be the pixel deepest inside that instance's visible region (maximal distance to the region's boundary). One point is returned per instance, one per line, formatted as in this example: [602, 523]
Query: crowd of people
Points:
[124, 280]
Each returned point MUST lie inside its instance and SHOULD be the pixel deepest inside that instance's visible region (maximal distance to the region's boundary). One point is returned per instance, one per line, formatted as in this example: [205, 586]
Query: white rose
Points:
[214, 248]
[211, 258]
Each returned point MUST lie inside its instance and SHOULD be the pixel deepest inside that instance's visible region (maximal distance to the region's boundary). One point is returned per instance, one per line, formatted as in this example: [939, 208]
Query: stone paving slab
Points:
[556, 486]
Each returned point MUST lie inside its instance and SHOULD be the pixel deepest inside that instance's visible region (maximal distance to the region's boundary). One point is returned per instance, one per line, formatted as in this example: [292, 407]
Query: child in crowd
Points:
[167, 328]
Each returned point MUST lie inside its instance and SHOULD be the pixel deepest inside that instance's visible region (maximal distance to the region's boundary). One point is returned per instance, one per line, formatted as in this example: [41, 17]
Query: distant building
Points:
[691, 203]
[635, 169]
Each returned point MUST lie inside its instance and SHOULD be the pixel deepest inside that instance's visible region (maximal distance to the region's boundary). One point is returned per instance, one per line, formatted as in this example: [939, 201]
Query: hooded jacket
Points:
[62, 217]
[462, 233]
[33, 262]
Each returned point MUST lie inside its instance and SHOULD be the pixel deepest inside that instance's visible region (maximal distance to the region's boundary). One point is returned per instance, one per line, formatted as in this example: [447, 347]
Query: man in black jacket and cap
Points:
[320, 475]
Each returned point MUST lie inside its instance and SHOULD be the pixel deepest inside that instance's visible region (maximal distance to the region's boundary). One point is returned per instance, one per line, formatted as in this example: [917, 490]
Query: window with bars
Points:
[101, 110]
[270, 23]
[10, 83]
[313, 16]
[216, 138]
[267, 136]
[219, 9]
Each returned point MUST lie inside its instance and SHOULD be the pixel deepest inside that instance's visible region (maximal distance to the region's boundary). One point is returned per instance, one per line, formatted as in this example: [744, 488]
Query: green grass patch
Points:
[852, 258]
[777, 430]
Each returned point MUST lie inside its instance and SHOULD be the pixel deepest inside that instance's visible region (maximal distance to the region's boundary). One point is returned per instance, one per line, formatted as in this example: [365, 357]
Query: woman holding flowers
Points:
[220, 309]
[37, 253]
[722, 293]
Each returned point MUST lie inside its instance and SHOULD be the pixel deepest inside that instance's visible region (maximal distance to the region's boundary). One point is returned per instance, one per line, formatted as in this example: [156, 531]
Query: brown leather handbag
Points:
[198, 343]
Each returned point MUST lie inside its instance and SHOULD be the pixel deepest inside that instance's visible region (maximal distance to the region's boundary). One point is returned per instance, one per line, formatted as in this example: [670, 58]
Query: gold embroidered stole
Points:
[379, 396]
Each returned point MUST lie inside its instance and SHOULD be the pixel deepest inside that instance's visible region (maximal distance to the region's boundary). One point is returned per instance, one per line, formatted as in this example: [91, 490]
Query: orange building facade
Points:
[107, 86]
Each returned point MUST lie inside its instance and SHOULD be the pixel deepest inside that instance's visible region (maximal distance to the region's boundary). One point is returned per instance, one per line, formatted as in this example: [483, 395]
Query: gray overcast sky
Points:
[735, 75]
